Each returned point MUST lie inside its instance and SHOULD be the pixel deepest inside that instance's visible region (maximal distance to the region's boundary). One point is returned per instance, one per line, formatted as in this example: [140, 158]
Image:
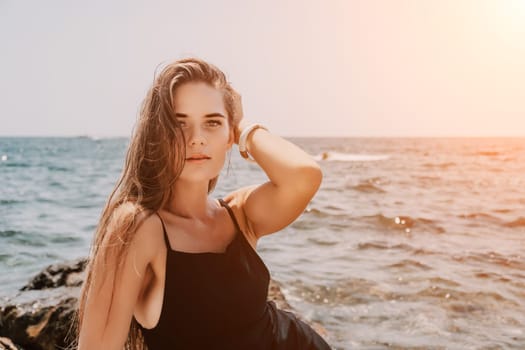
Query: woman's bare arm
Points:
[112, 297]
[294, 179]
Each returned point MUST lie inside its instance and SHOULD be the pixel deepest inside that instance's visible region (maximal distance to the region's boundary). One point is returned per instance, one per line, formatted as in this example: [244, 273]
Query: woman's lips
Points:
[197, 158]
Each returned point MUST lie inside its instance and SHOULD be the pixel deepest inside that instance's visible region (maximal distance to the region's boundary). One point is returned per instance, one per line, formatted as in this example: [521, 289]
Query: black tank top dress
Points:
[219, 301]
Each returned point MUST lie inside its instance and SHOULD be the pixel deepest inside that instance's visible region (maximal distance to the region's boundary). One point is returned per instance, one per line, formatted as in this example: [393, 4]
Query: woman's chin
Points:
[196, 178]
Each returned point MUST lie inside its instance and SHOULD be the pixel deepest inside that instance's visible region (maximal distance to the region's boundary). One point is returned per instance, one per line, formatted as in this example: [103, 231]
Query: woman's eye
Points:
[214, 123]
[182, 123]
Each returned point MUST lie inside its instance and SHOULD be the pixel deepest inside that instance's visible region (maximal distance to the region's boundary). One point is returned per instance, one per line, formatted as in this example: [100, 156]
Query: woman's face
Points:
[200, 111]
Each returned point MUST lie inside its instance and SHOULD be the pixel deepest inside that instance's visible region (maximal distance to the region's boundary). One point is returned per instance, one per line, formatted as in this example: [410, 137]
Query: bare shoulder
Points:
[236, 200]
[148, 236]
[149, 230]
[238, 197]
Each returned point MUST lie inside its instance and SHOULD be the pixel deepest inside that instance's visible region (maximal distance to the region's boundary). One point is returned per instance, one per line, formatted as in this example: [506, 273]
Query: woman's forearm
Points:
[283, 162]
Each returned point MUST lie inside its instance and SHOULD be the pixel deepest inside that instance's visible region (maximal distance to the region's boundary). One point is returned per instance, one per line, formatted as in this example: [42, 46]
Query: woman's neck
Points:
[190, 200]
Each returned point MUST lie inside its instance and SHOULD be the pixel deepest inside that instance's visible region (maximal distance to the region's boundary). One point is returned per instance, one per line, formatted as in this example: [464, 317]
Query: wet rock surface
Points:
[40, 315]
[7, 344]
[39, 319]
[69, 274]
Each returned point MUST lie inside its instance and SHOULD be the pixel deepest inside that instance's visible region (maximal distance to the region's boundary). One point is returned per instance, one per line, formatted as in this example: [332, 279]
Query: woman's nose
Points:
[197, 138]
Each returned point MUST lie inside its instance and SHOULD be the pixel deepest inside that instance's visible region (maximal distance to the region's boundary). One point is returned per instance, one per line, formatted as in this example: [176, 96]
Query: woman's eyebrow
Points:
[210, 115]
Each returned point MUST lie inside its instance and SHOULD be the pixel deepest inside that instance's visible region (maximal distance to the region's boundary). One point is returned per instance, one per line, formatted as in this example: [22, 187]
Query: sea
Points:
[410, 243]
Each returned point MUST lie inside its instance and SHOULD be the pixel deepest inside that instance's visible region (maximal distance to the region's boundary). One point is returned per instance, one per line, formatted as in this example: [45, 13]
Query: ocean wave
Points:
[443, 281]
[487, 153]
[10, 201]
[366, 188]
[403, 223]
[502, 211]
[339, 226]
[422, 251]
[485, 218]
[324, 214]
[509, 159]
[519, 222]
[495, 170]
[442, 166]
[427, 179]
[349, 292]
[334, 208]
[330, 216]
[305, 225]
[16, 237]
[381, 245]
[56, 184]
[458, 299]
[16, 165]
[29, 240]
[496, 277]
[322, 241]
[331, 156]
[45, 200]
[409, 264]
[315, 212]
[9, 233]
[64, 239]
[481, 216]
[77, 205]
[403, 248]
[492, 258]
[57, 168]
[314, 218]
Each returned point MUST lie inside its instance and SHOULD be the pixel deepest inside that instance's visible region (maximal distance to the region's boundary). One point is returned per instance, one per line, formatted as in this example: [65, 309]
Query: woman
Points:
[172, 268]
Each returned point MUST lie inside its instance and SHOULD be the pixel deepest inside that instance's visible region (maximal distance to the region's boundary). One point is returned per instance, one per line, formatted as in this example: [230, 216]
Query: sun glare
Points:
[512, 15]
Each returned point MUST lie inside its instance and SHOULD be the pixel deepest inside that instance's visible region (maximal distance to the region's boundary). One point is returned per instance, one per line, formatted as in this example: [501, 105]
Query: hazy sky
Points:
[303, 67]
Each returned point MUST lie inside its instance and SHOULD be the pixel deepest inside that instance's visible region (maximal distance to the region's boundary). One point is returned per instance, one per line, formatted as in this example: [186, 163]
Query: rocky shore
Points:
[40, 315]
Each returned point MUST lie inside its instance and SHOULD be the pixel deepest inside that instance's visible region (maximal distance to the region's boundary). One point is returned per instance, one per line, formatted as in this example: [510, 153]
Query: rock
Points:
[276, 295]
[42, 323]
[7, 344]
[67, 274]
[39, 317]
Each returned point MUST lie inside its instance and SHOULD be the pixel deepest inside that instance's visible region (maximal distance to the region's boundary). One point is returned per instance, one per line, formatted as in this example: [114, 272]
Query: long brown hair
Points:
[154, 161]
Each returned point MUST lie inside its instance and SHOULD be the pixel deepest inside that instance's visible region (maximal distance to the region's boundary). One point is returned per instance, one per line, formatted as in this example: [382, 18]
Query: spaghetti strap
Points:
[164, 231]
[230, 211]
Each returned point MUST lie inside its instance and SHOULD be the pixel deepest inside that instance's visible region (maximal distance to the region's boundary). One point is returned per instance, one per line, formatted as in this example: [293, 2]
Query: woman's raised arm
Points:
[294, 178]
[114, 292]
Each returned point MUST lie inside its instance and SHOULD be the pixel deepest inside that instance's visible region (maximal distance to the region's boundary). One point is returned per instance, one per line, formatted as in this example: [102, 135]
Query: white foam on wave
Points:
[4, 157]
[349, 157]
